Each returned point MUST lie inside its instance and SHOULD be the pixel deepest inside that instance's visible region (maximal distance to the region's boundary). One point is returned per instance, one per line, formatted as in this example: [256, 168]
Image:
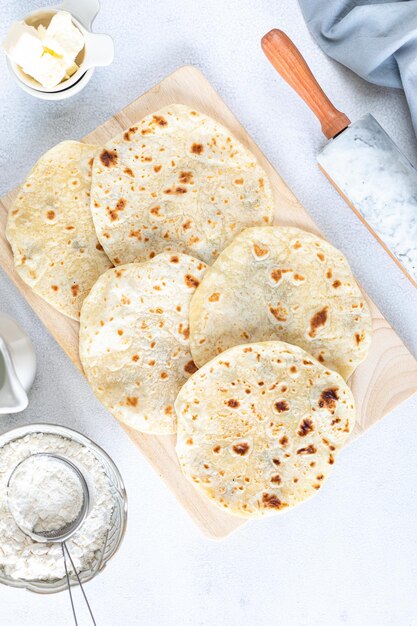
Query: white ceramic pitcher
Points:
[17, 366]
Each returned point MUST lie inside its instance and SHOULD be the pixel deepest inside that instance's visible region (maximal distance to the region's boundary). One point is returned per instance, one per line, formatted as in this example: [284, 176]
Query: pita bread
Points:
[259, 427]
[50, 229]
[134, 339]
[286, 284]
[176, 181]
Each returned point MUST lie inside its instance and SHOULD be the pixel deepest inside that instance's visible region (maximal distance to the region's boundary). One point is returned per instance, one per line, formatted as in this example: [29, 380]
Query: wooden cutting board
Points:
[382, 382]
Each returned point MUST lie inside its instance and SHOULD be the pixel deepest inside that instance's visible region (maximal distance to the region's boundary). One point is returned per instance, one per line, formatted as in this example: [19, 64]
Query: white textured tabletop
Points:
[349, 555]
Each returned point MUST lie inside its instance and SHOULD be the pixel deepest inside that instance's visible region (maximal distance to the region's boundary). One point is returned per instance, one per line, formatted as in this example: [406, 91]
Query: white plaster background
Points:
[349, 556]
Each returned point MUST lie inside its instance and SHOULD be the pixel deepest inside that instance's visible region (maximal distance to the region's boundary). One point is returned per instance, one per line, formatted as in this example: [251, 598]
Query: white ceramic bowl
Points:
[119, 515]
[98, 50]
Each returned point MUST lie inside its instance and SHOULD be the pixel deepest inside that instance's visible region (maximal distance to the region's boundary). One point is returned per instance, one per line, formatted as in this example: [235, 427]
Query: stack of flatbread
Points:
[161, 243]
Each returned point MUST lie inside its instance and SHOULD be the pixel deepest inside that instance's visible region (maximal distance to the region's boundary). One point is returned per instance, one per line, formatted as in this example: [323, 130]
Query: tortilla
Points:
[259, 427]
[176, 181]
[134, 339]
[286, 284]
[50, 229]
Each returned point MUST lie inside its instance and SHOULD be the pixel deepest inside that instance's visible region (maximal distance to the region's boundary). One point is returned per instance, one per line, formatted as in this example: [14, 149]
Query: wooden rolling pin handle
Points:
[290, 64]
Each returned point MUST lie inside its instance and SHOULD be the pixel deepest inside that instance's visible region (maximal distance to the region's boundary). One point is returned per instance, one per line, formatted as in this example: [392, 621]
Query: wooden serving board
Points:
[382, 382]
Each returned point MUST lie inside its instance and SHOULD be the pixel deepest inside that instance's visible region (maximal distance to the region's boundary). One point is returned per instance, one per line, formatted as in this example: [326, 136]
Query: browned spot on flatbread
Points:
[169, 410]
[157, 168]
[129, 132]
[129, 172]
[307, 450]
[260, 252]
[271, 501]
[54, 287]
[281, 406]
[155, 210]
[191, 281]
[336, 284]
[99, 247]
[328, 399]
[318, 320]
[184, 330]
[174, 259]
[197, 148]
[161, 121]
[108, 158]
[215, 297]
[284, 441]
[320, 256]
[75, 290]
[279, 312]
[306, 427]
[276, 274]
[359, 337]
[114, 213]
[241, 448]
[131, 401]
[50, 215]
[190, 367]
[276, 479]
[216, 449]
[135, 358]
[176, 191]
[185, 177]
[239, 181]
[234, 404]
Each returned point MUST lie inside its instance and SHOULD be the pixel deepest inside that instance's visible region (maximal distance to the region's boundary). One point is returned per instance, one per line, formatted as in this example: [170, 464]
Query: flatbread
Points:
[50, 229]
[134, 339]
[286, 284]
[176, 181]
[259, 427]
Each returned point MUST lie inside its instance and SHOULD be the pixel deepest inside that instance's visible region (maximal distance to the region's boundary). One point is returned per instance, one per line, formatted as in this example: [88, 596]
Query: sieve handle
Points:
[65, 550]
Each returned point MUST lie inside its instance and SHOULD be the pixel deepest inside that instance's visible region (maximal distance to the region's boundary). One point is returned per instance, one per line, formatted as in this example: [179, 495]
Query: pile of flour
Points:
[20, 556]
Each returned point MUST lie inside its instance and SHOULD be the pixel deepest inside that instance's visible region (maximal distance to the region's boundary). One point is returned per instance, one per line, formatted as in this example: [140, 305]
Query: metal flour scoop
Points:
[361, 161]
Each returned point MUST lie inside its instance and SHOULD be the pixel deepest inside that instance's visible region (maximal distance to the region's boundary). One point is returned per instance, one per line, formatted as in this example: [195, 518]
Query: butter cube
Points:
[63, 38]
[22, 44]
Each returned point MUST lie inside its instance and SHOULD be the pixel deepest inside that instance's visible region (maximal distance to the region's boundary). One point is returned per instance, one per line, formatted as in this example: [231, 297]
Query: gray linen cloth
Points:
[374, 38]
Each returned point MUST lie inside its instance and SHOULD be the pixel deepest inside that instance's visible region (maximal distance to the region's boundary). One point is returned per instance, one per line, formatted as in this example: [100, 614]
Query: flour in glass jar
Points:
[46, 496]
